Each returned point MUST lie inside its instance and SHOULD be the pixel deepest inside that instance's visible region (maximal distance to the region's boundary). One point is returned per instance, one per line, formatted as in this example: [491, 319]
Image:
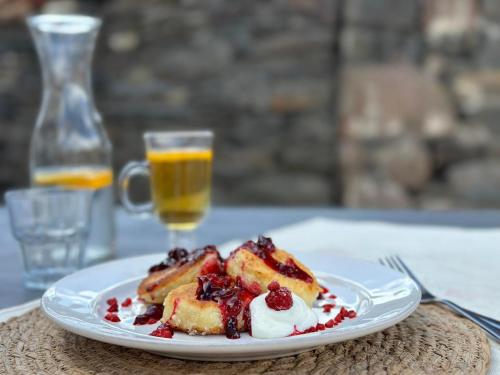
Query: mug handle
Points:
[132, 169]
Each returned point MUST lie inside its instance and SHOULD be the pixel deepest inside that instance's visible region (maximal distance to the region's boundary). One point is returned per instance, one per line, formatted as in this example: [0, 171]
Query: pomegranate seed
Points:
[330, 323]
[352, 314]
[332, 296]
[328, 307]
[112, 317]
[127, 302]
[112, 308]
[320, 327]
[112, 301]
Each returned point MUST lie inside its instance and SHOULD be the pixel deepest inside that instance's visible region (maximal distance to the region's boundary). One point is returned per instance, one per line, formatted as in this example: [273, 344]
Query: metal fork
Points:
[490, 325]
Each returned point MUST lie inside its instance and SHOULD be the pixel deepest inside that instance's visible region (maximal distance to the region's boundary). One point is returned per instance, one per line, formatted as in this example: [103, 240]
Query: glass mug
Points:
[179, 167]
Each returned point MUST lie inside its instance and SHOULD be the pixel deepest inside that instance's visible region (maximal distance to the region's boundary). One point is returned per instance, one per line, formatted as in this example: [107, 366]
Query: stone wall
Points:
[365, 103]
[420, 104]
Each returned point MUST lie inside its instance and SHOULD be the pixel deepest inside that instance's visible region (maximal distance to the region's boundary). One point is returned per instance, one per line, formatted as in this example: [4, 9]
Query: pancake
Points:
[213, 305]
[178, 269]
[257, 264]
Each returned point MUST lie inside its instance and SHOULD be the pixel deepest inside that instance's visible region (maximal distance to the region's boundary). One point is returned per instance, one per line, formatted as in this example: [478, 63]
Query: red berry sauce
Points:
[264, 248]
[126, 302]
[153, 314]
[112, 317]
[328, 307]
[231, 297]
[164, 330]
[343, 313]
[278, 298]
[179, 257]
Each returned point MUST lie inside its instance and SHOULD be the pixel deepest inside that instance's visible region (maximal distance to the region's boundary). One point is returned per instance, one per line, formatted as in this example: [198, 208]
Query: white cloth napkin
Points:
[460, 264]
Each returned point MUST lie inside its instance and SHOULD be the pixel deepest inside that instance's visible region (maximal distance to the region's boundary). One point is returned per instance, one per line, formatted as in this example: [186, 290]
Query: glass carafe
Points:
[69, 146]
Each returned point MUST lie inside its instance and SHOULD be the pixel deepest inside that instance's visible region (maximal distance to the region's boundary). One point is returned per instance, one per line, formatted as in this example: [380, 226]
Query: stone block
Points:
[477, 182]
[406, 161]
[386, 101]
[292, 43]
[477, 91]
[452, 26]
[286, 189]
[386, 13]
[491, 10]
[370, 191]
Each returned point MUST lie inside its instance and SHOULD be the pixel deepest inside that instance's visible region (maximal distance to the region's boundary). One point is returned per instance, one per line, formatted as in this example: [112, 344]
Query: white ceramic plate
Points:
[380, 296]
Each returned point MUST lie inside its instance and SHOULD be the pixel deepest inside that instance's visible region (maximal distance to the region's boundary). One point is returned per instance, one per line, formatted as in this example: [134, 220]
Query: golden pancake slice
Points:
[213, 305]
[178, 269]
[256, 264]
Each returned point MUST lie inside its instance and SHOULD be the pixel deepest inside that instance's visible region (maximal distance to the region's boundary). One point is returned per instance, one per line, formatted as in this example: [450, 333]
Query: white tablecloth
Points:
[462, 265]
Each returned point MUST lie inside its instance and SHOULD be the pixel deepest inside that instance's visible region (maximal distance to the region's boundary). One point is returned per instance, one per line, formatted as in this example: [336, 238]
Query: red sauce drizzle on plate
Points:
[343, 313]
[164, 330]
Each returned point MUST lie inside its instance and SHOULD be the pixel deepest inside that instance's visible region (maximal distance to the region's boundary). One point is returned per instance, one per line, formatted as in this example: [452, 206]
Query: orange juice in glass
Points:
[179, 166]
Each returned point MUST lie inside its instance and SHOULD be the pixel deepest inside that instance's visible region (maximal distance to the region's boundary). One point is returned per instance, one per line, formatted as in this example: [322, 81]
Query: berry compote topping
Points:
[151, 316]
[231, 297]
[178, 257]
[164, 330]
[264, 249]
[279, 298]
[327, 307]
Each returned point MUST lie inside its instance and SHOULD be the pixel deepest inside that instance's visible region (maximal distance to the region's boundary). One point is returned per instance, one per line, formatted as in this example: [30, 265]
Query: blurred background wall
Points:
[361, 103]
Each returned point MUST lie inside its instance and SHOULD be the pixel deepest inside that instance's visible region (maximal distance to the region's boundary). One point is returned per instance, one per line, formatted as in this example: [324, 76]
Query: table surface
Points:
[138, 237]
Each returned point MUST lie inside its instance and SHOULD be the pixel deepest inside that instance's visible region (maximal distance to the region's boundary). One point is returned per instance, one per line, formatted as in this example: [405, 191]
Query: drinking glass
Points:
[52, 226]
[179, 167]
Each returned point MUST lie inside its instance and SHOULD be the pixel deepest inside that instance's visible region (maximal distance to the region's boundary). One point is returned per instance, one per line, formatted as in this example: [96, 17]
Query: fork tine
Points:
[396, 265]
[404, 266]
[381, 261]
[409, 273]
[390, 263]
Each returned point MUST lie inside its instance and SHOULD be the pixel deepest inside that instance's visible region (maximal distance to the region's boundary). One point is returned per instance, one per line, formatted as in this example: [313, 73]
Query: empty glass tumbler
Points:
[52, 227]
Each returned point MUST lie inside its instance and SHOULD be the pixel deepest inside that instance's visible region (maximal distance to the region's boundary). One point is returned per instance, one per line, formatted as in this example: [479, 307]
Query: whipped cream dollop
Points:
[268, 323]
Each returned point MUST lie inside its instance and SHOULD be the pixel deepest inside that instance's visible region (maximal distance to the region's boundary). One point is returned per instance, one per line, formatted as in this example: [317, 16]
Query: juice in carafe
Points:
[100, 244]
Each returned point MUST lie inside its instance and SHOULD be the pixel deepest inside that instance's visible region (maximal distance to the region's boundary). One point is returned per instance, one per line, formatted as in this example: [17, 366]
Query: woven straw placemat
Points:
[431, 341]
